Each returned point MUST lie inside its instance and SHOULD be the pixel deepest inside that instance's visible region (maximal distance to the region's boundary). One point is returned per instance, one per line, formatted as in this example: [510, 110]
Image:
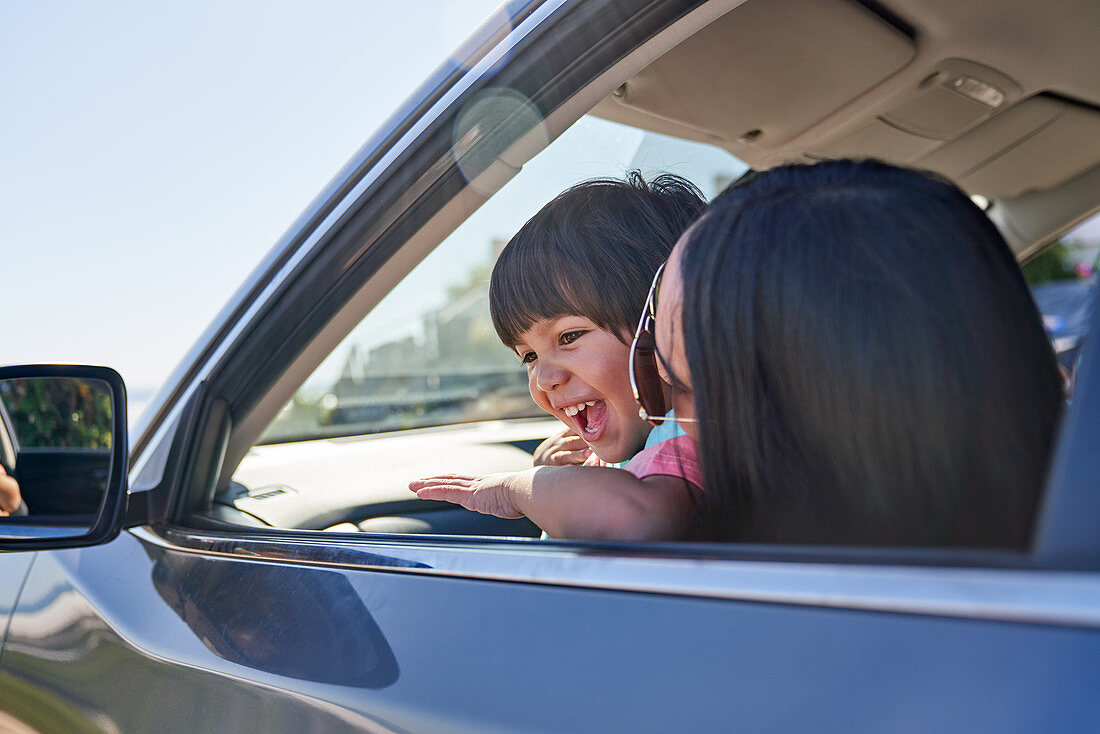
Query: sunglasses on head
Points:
[645, 379]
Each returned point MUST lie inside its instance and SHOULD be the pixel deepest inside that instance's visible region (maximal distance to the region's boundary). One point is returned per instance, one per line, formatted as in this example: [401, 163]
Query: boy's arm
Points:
[583, 502]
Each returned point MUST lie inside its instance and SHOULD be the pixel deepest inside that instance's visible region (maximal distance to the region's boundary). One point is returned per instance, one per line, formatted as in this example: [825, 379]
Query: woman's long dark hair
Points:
[868, 365]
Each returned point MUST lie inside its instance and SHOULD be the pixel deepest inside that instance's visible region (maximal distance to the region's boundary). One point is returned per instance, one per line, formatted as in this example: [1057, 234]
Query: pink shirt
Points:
[674, 457]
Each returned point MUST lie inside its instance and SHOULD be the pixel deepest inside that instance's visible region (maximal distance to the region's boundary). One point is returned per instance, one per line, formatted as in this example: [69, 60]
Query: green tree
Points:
[1054, 262]
[49, 412]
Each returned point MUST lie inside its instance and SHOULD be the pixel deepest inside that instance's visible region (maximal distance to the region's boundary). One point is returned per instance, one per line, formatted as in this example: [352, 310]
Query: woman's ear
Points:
[665, 377]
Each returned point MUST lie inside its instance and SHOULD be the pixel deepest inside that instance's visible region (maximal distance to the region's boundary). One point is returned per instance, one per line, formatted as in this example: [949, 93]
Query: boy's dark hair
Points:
[592, 251]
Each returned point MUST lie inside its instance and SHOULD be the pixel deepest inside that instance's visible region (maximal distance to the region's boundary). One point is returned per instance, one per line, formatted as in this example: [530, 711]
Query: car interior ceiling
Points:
[995, 106]
[982, 91]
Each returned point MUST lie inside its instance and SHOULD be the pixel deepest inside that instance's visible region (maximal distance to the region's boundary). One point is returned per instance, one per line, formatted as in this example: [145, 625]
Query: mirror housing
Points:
[20, 530]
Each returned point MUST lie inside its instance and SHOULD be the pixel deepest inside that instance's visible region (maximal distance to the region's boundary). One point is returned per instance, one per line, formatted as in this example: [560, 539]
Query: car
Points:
[256, 562]
[1067, 307]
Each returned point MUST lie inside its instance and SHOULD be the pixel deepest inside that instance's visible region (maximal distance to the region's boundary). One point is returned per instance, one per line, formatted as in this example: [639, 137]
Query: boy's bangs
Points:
[530, 287]
[592, 251]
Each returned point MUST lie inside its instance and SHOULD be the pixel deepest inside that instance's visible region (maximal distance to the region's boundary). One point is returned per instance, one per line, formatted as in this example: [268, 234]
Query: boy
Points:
[565, 296]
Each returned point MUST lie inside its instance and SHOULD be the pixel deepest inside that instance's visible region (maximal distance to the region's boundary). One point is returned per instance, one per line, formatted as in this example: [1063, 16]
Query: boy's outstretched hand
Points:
[562, 449]
[578, 502]
[489, 495]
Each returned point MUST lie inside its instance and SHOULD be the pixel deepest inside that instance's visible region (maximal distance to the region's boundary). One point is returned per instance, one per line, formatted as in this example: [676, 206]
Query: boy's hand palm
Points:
[488, 495]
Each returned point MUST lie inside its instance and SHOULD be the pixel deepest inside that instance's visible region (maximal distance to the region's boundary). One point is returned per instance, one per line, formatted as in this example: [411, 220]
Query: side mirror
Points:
[63, 452]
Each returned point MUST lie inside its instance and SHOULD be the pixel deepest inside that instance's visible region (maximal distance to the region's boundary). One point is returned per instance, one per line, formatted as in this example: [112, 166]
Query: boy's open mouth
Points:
[591, 418]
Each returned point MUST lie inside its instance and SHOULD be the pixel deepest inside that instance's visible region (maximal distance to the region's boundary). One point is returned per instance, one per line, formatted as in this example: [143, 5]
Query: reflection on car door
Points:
[159, 640]
[13, 569]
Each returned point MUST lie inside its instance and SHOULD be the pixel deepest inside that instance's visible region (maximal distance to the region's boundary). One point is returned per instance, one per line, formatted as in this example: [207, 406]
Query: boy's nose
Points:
[549, 375]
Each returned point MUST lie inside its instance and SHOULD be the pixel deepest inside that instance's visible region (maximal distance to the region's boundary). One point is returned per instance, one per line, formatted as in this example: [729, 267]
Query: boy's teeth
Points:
[590, 403]
[572, 410]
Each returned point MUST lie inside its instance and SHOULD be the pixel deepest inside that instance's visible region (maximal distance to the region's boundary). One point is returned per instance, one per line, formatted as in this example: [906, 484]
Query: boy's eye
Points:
[570, 336]
[527, 357]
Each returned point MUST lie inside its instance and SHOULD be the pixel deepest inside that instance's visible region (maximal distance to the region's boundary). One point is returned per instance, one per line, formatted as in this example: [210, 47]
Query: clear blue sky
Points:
[151, 153]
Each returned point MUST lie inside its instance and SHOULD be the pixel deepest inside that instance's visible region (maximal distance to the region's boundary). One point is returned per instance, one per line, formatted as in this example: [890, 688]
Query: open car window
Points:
[423, 385]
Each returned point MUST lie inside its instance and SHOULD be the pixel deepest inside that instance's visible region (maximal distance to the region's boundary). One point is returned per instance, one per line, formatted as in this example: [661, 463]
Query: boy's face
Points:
[577, 372]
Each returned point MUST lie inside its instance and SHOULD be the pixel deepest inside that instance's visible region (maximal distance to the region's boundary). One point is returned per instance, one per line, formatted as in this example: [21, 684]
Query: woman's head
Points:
[866, 360]
[566, 291]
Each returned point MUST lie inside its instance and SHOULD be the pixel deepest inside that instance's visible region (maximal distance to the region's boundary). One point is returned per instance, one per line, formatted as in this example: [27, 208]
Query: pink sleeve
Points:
[674, 457]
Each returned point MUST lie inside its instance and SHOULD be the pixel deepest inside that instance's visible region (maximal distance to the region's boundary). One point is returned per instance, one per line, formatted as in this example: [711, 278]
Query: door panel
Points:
[135, 638]
[13, 568]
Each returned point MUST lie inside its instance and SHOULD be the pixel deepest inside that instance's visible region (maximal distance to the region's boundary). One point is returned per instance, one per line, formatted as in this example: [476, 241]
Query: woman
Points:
[864, 361]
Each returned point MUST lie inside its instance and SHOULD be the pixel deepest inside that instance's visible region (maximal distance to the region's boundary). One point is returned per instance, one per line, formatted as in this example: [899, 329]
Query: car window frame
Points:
[344, 246]
[392, 201]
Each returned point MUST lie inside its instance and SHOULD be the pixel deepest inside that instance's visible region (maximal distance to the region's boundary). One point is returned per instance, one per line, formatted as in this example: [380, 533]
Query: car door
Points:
[145, 634]
[196, 621]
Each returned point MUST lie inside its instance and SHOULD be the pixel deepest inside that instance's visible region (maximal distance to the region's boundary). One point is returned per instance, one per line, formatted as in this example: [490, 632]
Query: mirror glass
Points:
[55, 455]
